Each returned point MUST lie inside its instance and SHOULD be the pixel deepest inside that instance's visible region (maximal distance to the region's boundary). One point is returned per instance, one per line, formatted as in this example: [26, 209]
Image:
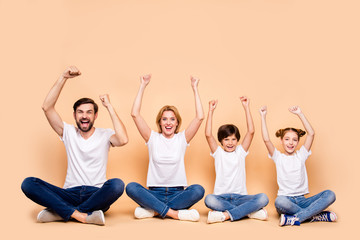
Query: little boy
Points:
[230, 199]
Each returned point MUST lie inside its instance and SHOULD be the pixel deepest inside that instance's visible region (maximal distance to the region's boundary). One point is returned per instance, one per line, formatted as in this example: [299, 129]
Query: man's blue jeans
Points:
[64, 202]
[237, 205]
[304, 208]
[161, 199]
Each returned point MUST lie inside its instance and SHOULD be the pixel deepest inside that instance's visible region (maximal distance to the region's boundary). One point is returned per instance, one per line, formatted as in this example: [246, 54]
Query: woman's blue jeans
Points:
[237, 205]
[304, 208]
[64, 202]
[161, 199]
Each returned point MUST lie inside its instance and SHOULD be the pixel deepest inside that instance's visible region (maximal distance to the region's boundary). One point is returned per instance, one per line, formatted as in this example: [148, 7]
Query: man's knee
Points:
[116, 185]
[27, 184]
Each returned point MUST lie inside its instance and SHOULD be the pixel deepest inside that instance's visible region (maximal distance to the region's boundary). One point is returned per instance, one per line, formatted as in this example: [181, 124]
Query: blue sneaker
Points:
[289, 220]
[325, 216]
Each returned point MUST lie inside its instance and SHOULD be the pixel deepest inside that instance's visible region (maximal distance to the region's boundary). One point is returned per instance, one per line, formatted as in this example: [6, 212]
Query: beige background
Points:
[277, 52]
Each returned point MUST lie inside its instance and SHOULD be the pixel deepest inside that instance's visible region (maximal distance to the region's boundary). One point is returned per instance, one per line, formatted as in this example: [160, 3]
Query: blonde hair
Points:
[168, 108]
[281, 132]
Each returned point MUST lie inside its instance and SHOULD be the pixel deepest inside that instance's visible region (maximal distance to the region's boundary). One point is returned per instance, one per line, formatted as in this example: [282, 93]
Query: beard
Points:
[84, 129]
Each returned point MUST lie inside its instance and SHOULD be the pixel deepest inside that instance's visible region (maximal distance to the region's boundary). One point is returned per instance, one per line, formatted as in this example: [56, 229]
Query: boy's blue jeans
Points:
[304, 208]
[237, 205]
[161, 199]
[64, 202]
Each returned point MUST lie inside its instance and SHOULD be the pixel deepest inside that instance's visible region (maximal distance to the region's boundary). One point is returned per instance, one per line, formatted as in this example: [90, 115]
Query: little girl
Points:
[292, 177]
[230, 199]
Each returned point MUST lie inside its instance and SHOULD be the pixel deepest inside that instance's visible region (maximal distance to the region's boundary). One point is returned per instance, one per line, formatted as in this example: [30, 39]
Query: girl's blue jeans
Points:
[237, 205]
[64, 202]
[161, 199]
[304, 208]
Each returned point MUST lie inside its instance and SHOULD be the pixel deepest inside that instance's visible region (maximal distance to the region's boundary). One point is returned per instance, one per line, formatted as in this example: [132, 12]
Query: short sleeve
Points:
[65, 131]
[182, 134]
[242, 151]
[151, 138]
[303, 153]
[275, 155]
[216, 152]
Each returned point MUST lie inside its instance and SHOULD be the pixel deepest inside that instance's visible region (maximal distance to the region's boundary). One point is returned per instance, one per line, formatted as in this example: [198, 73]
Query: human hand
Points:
[244, 101]
[194, 81]
[105, 100]
[145, 79]
[295, 110]
[263, 111]
[71, 72]
[212, 105]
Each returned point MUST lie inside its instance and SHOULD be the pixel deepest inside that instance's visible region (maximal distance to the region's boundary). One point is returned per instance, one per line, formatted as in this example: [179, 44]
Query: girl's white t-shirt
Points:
[291, 172]
[230, 171]
[166, 160]
[87, 158]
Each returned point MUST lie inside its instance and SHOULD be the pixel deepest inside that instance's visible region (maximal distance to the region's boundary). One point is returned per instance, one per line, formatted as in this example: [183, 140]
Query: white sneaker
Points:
[47, 215]
[143, 213]
[189, 215]
[96, 217]
[260, 214]
[215, 217]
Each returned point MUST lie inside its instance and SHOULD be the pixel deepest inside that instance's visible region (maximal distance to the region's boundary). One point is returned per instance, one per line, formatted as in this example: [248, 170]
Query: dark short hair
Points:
[85, 101]
[228, 130]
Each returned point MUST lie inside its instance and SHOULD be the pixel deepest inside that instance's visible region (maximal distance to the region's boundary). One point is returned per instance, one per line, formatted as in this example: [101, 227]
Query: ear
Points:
[74, 114]
[96, 114]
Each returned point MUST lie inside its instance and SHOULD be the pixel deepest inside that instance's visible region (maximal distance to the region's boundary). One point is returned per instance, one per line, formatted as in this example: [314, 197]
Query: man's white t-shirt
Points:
[291, 172]
[230, 171]
[87, 158]
[166, 160]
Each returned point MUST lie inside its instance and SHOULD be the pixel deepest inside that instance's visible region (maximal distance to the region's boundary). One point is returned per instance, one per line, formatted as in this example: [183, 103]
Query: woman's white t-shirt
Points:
[291, 172]
[230, 171]
[166, 160]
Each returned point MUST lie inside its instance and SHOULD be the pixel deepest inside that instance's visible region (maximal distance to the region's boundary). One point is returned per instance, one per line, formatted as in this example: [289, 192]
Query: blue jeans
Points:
[161, 199]
[237, 205]
[304, 208]
[64, 202]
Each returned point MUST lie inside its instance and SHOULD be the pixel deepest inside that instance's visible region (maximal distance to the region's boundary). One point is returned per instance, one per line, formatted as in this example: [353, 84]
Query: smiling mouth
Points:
[85, 122]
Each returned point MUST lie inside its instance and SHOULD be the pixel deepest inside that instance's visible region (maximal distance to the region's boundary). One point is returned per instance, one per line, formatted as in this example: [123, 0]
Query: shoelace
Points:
[320, 218]
[291, 221]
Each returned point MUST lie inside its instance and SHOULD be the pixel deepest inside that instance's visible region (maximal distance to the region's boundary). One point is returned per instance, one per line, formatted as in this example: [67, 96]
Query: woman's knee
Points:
[198, 191]
[132, 188]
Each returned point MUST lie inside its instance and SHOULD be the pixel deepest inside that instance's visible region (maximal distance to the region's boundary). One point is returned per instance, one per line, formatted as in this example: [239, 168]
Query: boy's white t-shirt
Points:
[230, 171]
[87, 158]
[166, 160]
[291, 172]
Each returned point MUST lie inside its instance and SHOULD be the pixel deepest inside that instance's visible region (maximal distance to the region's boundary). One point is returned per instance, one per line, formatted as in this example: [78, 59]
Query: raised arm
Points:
[310, 131]
[265, 134]
[199, 117]
[49, 103]
[120, 137]
[249, 123]
[140, 123]
[208, 127]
